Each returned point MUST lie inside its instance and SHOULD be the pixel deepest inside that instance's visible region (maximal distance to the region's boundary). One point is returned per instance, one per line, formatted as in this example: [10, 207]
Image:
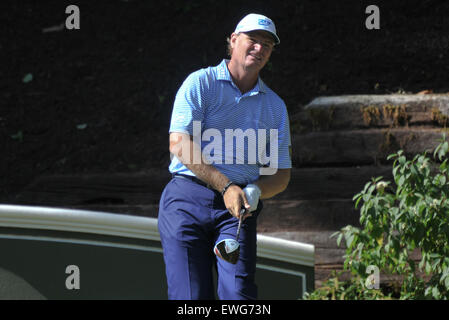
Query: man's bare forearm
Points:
[193, 160]
[271, 185]
[209, 174]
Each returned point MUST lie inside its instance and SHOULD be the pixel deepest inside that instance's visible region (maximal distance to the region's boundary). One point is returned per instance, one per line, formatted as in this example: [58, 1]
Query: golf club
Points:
[229, 249]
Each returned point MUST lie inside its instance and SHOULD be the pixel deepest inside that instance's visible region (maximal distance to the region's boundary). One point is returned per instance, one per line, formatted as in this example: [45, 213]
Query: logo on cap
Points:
[264, 22]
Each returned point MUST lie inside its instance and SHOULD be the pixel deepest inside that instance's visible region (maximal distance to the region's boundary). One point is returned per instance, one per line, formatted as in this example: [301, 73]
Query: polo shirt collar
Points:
[223, 74]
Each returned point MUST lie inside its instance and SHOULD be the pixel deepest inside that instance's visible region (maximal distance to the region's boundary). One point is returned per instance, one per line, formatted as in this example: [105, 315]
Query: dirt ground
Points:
[99, 99]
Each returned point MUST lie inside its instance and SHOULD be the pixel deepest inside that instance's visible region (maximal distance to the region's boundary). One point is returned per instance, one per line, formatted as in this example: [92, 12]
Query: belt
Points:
[192, 178]
[200, 182]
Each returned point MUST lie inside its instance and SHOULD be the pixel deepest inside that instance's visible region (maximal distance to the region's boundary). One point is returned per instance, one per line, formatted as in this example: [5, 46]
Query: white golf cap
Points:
[253, 22]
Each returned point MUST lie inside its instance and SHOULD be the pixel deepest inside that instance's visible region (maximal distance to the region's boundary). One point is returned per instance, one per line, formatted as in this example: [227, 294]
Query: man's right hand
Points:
[235, 199]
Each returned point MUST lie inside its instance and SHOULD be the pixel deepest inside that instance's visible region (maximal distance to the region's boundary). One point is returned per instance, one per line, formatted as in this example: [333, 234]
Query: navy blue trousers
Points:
[192, 219]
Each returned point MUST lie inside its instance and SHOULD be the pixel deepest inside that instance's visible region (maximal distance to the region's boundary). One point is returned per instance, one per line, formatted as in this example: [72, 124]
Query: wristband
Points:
[230, 183]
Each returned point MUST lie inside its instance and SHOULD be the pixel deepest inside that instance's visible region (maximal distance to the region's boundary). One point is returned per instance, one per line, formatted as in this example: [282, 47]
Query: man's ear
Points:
[234, 37]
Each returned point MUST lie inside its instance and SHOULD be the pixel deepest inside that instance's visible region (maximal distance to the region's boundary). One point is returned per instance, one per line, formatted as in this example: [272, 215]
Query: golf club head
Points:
[228, 250]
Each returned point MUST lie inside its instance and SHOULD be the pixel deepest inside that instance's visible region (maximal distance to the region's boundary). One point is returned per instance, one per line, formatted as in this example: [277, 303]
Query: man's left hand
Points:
[252, 193]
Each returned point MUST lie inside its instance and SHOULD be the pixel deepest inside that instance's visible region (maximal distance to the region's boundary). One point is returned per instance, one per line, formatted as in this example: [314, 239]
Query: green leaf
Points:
[434, 255]
[413, 169]
[401, 181]
[395, 169]
[358, 195]
[340, 236]
[27, 78]
[436, 293]
[366, 187]
[422, 262]
[335, 234]
[394, 211]
[357, 202]
[443, 166]
[428, 268]
[362, 219]
[18, 136]
[443, 150]
[349, 240]
[391, 156]
[422, 206]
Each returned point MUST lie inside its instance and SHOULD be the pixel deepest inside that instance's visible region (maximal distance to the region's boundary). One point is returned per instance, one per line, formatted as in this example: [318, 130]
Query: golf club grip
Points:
[240, 224]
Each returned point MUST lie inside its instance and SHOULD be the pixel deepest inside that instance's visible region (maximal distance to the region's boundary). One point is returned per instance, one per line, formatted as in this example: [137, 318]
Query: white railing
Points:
[122, 225]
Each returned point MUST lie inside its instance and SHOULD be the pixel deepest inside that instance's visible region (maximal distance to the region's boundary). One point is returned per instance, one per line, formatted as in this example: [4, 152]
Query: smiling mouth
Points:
[256, 57]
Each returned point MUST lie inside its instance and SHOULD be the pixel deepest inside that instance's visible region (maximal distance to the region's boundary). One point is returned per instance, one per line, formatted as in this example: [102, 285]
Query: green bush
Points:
[354, 289]
[396, 219]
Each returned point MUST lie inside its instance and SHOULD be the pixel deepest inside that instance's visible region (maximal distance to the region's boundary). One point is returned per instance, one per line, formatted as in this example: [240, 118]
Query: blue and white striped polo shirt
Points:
[237, 132]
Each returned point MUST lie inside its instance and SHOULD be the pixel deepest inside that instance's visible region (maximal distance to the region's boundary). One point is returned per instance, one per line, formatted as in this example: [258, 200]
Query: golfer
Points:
[226, 124]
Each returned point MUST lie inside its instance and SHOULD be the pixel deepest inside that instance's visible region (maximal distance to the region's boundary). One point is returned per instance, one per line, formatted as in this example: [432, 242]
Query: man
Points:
[212, 182]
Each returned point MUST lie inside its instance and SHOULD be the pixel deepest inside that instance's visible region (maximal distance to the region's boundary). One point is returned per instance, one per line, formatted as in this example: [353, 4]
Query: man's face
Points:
[252, 49]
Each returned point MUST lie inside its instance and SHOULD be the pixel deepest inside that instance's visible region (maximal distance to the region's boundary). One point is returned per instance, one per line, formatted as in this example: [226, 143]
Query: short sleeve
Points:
[189, 104]
[285, 143]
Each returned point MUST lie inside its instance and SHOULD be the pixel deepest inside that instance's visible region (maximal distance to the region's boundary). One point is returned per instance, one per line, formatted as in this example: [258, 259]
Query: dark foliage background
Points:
[100, 97]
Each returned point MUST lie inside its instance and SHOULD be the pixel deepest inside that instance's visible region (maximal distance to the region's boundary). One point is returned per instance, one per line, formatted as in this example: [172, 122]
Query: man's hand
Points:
[252, 193]
[235, 199]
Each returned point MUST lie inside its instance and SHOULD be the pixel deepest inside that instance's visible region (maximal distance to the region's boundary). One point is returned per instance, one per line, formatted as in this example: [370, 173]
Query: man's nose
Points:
[258, 46]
